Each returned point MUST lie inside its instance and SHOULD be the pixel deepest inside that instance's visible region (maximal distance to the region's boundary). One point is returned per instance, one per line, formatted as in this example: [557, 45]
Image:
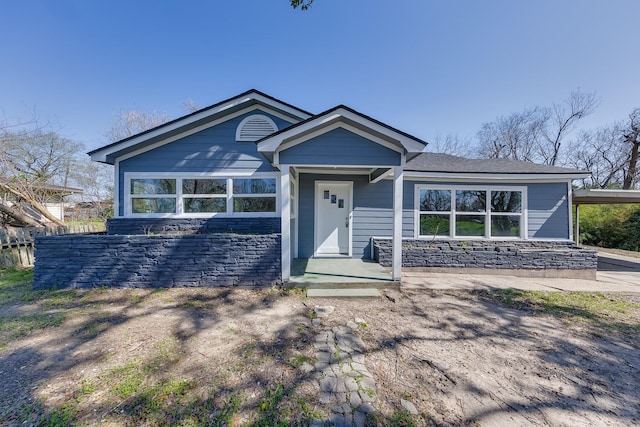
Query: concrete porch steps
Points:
[343, 293]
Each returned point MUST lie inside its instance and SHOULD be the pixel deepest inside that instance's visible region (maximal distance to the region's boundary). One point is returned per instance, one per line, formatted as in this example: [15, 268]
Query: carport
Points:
[600, 197]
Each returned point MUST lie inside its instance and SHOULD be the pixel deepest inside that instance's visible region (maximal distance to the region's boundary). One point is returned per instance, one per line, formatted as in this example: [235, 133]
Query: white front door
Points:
[333, 218]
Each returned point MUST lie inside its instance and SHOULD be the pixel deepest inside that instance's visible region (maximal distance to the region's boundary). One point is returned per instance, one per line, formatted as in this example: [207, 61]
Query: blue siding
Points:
[372, 212]
[340, 147]
[548, 211]
[211, 150]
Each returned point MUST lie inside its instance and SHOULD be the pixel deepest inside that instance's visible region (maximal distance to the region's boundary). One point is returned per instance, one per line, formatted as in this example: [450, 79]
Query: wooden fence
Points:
[17, 244]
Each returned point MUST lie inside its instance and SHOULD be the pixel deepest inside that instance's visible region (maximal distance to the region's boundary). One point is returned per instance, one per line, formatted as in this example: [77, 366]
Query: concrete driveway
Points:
[616, 273]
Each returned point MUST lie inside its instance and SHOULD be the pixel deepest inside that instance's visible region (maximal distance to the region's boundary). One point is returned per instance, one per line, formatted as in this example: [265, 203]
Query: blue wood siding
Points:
[548, 211]
[340, 147]
[212, 150]
[372, 212]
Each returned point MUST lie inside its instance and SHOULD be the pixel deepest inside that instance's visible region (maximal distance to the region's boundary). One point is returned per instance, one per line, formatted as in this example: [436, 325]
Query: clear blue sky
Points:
[427, 67]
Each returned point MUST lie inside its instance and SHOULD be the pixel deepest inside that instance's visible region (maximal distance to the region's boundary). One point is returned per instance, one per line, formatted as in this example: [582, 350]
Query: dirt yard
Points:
[237, 357]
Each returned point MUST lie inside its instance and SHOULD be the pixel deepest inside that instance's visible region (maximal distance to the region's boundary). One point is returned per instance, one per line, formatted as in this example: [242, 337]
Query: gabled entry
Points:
[333, 216]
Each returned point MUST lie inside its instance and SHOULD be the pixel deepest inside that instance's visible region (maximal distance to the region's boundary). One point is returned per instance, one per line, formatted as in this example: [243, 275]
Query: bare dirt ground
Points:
[461, 358]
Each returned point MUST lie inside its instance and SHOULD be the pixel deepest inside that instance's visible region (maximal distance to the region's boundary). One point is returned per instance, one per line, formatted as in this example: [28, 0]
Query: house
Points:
[51, 196]
[334, 184]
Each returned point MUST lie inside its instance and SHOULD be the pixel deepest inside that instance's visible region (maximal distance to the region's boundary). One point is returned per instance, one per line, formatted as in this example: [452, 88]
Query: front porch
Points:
[340, 272]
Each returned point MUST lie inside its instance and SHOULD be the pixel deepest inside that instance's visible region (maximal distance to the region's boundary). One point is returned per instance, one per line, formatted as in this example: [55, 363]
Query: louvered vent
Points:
[255, 127]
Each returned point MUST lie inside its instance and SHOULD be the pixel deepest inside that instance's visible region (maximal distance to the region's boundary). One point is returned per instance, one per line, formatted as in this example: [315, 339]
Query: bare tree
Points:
[537, 134]
[132, 122]
[631, 142]
[452, 144]
[561, 121]
[600, 151]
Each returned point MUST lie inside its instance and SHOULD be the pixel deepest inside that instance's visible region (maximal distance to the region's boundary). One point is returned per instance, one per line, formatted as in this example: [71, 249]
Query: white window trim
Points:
[179, 176]
[253, 116]
[487, 214]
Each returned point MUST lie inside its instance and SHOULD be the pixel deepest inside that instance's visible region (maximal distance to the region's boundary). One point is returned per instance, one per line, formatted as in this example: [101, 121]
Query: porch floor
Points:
[339, 272]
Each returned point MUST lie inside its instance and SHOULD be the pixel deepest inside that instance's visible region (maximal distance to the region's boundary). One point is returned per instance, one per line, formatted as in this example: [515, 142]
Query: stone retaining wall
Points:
[476, 255]
[205, 260]
[193, 225]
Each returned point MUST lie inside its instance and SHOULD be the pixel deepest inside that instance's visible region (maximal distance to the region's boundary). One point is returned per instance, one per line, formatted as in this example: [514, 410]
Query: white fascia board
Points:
[272, 144]
[484, 177]
[101, 155]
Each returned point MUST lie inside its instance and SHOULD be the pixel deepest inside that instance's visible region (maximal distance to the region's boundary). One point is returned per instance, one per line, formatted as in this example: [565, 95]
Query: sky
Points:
[427, 67]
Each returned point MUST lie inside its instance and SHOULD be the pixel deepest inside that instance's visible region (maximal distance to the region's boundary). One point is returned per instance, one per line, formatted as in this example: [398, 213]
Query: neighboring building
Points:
[50, 195]
[338, 183]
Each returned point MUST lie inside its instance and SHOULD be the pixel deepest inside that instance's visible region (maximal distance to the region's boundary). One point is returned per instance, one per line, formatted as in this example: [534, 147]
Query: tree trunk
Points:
[20, 217]
[33, 202]
[633, 167]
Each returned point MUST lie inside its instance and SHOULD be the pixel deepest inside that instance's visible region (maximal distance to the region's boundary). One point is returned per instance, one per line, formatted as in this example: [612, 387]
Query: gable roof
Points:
[447, 163]
[196, 120]
[342, 116]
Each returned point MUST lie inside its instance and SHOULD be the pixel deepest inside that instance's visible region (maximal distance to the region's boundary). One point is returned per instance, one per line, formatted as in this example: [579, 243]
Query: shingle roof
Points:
[446, 163]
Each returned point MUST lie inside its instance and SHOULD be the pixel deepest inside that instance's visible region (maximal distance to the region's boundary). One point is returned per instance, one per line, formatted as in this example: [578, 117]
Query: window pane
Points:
[505, 226]
[471, 200]
[434, 225]
[506, 201]
[196, 205]
[160, 205]
[254, 186]
[254, 204]
[204, 186]
[153, 186]
[435, 200]
[470, 225]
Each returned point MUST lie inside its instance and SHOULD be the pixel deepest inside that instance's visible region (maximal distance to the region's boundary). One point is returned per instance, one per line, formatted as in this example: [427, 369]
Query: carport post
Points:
[398, 179]
[285, 222]
[577, 236]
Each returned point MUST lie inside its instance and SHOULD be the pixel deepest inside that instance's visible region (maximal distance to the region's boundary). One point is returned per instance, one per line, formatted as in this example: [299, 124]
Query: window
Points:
[201, 196]
[153, 196]
[466, 212]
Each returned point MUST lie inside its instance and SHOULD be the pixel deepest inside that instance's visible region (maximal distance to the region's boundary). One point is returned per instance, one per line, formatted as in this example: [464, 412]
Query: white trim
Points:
[190, 132]
[331, 170]
[316, 214]
[484, 177]
[100, 155]
[570, 208]
[524, 214]
[285, 224]
[179, 176]
[340, 114]
[297, 216]
[396, 242]
[239, 138]
[316, 133]
[116, 190]
[381, 176]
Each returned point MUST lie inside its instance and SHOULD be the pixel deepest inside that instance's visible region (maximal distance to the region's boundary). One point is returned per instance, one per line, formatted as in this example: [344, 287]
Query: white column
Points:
[577, 235]
[396, 244]
[285, 222]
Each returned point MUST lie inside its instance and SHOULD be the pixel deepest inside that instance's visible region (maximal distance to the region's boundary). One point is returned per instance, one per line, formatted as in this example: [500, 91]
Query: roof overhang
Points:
[197, 121]
[605, 197]
[345, 117]
[490, 177]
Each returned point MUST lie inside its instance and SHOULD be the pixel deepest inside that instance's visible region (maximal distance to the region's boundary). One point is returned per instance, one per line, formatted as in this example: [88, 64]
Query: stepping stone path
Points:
[345, 383]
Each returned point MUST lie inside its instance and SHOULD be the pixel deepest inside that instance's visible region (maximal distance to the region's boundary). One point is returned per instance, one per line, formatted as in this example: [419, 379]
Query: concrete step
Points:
[343, 293]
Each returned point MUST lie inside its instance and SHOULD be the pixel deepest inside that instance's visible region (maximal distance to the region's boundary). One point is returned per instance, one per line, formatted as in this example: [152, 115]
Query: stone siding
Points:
[204, 260]
[488, 254]
[193, 225]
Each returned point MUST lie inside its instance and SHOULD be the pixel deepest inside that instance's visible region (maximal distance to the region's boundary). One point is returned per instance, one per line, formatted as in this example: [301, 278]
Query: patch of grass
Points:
[15, 285]
[15, 327]
[271, 410]
[128, 379]
[298, 359]
[614, 312]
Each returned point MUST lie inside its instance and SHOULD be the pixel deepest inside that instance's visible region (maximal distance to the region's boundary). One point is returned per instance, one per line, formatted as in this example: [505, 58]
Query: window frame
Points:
[180, 196]
[488, 213]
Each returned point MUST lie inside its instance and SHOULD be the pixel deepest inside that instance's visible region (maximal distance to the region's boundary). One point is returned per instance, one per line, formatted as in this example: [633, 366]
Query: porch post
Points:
[285, 222]
[398, 175]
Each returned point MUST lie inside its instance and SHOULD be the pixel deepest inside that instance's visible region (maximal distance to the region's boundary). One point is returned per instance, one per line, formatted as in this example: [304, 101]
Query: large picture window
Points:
[468, 212]
[201, 196]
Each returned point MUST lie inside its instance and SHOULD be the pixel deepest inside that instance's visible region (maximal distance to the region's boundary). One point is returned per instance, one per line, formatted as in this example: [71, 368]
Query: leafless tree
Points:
[132, 122]
[452, 144]
[631, 142]
[600, 152]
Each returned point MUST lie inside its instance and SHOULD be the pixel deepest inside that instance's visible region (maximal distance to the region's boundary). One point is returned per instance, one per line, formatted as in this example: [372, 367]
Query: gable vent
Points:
[254, 127]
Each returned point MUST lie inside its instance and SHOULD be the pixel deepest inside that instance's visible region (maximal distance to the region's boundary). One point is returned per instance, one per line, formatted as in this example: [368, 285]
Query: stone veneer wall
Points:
[205, 260]
[193, 225]
[488, 254]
